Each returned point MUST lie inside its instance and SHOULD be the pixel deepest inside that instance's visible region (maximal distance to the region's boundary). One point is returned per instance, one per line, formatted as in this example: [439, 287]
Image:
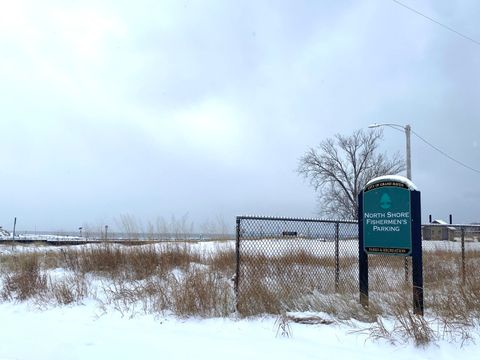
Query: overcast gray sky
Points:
[160, 108]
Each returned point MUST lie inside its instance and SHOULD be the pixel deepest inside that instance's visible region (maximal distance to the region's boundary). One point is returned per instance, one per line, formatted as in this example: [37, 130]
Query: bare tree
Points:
[341, 166]
[130, 226]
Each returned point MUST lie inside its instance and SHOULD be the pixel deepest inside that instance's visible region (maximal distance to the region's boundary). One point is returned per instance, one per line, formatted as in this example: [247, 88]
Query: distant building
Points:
[473, 232]
[445, 232]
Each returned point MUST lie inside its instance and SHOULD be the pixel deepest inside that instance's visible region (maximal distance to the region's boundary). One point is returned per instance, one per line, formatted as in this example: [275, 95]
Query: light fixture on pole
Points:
[407, 130]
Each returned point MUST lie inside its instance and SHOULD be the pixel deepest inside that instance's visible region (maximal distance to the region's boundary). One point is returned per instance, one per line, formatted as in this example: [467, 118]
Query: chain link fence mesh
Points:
[288, 264]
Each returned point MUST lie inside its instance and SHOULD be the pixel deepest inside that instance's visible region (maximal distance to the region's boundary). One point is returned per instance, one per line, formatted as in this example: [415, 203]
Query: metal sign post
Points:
[390, 224]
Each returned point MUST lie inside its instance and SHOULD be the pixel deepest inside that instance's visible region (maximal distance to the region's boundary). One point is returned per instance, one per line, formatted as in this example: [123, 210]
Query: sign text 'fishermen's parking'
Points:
[387, 223]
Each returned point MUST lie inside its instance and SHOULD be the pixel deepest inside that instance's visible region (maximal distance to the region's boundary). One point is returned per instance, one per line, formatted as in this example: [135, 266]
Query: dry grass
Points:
[24, 280]
[154, 278]
[129, 262]
[223, 261]
[172, 278]
[302, 282]
[202, 293]
[271, 284]
[71, 289]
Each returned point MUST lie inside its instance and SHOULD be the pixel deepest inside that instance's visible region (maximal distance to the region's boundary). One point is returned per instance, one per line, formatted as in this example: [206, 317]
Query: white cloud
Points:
[58, 52]
[86, 31]
[157, 93]
[211, 128]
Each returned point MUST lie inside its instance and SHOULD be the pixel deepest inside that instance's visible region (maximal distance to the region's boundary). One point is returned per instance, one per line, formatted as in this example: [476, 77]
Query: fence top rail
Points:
[275, 218]
[473, 226]
[280, 218]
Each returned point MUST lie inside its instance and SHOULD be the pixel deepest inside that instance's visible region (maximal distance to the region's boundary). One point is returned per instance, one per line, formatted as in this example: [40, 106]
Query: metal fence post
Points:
[417, 256]
[463, 255]
[337, 255]
[237, 256]
[362, 258]
[14, 228]
[406, 268]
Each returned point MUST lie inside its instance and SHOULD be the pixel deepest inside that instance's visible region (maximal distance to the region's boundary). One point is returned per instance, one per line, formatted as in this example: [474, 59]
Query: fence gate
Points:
[286, 264]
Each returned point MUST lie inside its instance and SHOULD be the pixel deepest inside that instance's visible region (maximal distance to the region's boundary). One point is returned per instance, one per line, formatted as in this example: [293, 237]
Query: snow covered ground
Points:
[91, 330]
[196, 246]
[85, 332]
[4, 235]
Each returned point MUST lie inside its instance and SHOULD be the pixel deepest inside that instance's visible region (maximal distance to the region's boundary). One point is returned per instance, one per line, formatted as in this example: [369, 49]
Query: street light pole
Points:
[408, 130]
[408, 162]
[409, 153]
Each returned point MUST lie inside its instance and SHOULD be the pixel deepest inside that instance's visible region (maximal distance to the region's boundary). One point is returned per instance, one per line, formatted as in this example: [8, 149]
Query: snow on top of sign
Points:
[398, 178]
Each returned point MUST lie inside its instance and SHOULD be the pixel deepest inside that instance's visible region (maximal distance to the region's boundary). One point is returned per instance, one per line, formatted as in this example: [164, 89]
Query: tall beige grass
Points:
[174, 278]
[167, 277]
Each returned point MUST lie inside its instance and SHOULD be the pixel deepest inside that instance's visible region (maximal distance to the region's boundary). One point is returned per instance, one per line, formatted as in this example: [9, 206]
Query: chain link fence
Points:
[305, 264]
[285, 263]
[451, 248]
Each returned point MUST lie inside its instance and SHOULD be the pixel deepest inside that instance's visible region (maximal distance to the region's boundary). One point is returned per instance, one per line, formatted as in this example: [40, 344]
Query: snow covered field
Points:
[85, 332]
[94, 329]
